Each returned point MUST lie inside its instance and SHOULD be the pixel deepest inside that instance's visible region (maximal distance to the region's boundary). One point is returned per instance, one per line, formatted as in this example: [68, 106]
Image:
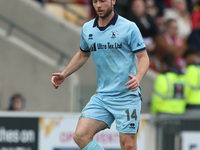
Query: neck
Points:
[104, 21]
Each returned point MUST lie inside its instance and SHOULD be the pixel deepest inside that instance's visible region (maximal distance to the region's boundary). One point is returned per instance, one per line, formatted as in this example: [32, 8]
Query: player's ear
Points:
[113, 2]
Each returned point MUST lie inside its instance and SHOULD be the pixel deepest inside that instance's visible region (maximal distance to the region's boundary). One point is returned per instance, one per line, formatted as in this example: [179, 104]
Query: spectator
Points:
[16, 102]
[179, 12]
[169, 90]
[191, 4]
[194, 38]
[151, 8]
[144, 21]
[193, 78]
[169, 42]
[195, 16]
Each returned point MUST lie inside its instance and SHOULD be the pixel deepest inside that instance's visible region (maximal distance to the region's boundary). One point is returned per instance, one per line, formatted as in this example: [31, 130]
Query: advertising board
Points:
[190, 140]
[18, 133]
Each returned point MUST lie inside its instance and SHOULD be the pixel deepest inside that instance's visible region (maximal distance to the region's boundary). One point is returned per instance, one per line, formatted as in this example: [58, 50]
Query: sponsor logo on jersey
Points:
[93, 47]
[107, 46]
[90, 37]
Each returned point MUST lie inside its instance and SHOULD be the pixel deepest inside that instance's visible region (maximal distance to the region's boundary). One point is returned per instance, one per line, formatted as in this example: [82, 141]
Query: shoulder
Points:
[172, 76]
[126, 25]
[160, 79]
[124, 21]
[192, 68]
[160, 76]
[88, 24]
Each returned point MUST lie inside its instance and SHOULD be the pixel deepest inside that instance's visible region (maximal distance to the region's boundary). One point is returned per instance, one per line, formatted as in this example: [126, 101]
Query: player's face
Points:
[103, 7]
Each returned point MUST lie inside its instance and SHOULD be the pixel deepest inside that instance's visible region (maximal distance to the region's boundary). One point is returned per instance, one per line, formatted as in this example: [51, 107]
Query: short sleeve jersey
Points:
[113, 50]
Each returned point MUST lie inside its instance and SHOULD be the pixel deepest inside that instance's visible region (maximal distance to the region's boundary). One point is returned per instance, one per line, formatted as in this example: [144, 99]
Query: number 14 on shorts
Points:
[133, 115]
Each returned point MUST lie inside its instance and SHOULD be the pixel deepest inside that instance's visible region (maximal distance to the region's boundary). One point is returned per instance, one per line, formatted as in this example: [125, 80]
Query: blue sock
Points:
[93, 146]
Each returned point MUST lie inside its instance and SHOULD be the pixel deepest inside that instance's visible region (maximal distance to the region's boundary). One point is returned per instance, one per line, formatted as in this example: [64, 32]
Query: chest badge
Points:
[113, 34]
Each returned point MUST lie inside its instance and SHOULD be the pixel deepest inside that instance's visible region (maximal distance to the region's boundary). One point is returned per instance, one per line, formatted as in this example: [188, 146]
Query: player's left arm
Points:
[142, 68]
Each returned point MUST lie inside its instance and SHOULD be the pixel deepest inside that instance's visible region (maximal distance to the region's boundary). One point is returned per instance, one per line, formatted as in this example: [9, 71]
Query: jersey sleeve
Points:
[84, 46]
[135, 39]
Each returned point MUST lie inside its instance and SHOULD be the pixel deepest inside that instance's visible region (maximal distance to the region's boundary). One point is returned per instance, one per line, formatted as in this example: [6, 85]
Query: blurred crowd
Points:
[171, 33]
[169, 27]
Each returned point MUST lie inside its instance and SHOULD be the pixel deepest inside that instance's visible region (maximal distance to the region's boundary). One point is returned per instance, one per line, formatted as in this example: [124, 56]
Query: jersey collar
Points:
[112, 22]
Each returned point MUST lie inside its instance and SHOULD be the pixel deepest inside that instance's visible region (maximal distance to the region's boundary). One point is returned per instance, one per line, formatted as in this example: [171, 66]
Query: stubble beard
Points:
[106, 14]
[110, 9]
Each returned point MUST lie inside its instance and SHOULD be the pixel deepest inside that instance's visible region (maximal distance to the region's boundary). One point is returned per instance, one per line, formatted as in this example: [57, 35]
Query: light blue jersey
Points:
[113, 49]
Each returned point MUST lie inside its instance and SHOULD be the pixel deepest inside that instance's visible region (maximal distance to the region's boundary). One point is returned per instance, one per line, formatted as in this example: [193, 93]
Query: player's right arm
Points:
[77, 62]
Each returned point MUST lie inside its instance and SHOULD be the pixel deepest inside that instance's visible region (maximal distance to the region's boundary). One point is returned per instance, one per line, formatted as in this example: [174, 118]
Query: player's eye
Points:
[94, 1]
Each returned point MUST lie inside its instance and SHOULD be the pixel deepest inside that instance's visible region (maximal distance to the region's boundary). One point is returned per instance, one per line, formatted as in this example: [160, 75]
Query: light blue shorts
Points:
[125, 111]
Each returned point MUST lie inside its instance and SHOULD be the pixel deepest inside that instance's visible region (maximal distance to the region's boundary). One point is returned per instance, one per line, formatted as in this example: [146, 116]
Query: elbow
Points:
[84, 54]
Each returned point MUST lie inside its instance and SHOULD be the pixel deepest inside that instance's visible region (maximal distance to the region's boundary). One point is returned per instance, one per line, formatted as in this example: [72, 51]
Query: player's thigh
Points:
[128, 141]
[87, 127]
[94, 117]
[96, 112]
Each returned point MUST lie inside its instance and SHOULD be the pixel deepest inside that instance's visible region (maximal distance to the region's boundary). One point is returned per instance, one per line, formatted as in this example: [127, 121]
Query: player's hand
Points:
[133, 83]
[57, 79]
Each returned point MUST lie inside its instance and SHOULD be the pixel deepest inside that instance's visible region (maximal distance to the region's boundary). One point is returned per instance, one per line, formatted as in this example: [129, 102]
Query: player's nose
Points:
[98, 4]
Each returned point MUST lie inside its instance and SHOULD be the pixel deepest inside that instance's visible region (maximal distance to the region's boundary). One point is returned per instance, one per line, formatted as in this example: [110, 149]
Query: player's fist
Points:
[57, 79]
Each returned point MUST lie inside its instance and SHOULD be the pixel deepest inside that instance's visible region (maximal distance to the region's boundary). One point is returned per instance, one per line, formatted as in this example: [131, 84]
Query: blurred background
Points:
[39, 37]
